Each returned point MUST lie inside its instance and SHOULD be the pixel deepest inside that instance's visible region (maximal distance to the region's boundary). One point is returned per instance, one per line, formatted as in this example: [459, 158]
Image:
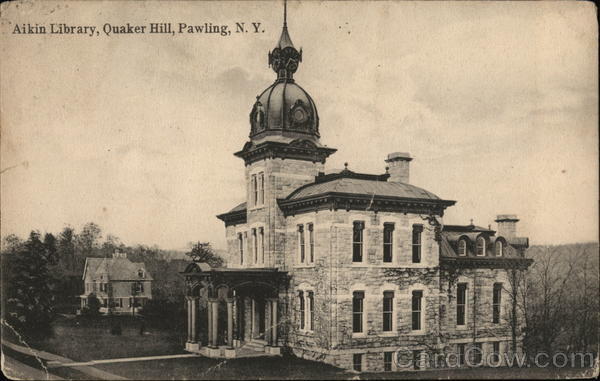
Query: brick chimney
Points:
[399, 167]
[507, 225]
[119, 254]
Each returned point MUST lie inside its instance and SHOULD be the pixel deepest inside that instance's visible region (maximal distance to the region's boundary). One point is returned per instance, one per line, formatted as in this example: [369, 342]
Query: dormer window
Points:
[499, 248]
[462, 247]
[480, 247]
[141, 273]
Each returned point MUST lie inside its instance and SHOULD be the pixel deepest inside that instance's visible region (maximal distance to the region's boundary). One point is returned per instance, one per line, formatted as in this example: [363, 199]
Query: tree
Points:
[203, 252]
[29, 303]
[93, 305]
[66, 249]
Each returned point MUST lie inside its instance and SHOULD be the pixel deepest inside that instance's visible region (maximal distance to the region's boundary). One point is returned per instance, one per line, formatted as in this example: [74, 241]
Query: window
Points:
[388, 311]
[261, 244]
[417, 359]
[241, 243]
[416, 243]
[496, 303]
[499, 248]
[301, 252]
[417, 297]
[138, 287]
[254, 191]
[460, 351]
[247, 246]
[480, 246]
[302, 309]
[102, 287]
[388, 242]
[357, 311]
[462, 247]
[311, 243]
[357, 362]
[141, 273]
[357, 241]
[254, 246]
[120, 302]
[461, 303]
[311, 311]
[261, 188]
[105, 303]
[388, 361]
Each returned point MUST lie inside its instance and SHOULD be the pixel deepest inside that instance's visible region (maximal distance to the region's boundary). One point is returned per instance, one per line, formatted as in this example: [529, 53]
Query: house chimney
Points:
[507, 225]
[399, 167]
[119, 254]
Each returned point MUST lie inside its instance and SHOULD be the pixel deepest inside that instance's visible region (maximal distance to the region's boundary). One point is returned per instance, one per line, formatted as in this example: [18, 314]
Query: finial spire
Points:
[284, 59]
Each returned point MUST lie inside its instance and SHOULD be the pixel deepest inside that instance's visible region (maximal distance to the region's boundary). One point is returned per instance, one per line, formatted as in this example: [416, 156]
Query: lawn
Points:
[275, 368]
[84, 339]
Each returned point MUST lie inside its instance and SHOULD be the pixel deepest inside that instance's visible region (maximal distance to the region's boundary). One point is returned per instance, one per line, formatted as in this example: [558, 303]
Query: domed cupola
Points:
[284, 108]
[284, 122]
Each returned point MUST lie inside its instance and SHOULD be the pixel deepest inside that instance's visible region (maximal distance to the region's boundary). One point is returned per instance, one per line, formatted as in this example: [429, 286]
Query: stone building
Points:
[352, 269]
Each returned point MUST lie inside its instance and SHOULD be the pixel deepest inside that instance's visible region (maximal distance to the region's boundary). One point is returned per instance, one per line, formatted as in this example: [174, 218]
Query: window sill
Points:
[311, 266]
[360, 264]
[420, 332]
[305, 332]
[389, 334]
[463, 327]
[359, 335]
[256, 208]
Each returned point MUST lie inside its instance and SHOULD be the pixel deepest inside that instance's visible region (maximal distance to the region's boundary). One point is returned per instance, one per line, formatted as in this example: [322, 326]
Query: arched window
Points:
[499, 248]
[480, 246]
[462, 247]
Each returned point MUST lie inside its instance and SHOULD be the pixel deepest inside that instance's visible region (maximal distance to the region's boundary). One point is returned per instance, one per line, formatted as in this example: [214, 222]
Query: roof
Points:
[114, 269]
[238, 208]
[349, 185]
[467, 228]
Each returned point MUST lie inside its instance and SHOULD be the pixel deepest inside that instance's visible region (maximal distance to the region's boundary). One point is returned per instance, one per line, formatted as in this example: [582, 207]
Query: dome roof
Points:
[284, 107]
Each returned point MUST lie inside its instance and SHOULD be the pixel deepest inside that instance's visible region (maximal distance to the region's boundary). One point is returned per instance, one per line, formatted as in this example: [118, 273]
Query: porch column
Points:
[274, 322]
[189, 319]
[230, 323]
[193, 306]
[210, 326]
[268, 320]
[252, 316]
[215, 321]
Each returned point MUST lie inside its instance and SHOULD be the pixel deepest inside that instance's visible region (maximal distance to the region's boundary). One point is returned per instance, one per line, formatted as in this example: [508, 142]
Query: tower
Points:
[284, 151]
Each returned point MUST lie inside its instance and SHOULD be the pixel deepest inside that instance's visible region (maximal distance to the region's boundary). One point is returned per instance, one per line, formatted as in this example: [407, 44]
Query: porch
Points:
[233, 312]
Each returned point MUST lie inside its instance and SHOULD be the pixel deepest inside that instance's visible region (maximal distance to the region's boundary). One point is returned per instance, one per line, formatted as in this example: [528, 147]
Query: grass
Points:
[202, 368]
[84, 339]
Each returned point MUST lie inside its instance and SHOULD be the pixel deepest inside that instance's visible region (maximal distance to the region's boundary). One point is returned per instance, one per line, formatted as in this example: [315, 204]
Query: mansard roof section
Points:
[235, 216]
[513, 249]
[360, 191]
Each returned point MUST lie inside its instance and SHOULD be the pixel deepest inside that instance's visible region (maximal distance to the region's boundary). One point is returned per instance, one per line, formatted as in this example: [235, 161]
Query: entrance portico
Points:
[230, 308]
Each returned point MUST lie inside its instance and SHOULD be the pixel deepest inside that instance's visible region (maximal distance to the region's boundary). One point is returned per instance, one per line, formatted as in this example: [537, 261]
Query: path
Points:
[51, 358]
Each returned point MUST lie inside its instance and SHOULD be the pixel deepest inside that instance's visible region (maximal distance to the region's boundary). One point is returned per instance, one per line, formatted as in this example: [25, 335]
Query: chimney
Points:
[399, 167]
[507, 225]
[119, 254]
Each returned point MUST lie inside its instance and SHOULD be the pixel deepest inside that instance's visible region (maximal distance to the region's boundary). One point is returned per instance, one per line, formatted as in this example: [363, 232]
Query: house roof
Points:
[350, 185]
[114, 269]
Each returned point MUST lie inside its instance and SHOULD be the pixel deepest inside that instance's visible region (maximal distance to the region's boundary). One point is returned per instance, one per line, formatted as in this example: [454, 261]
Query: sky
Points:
[496, 101]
